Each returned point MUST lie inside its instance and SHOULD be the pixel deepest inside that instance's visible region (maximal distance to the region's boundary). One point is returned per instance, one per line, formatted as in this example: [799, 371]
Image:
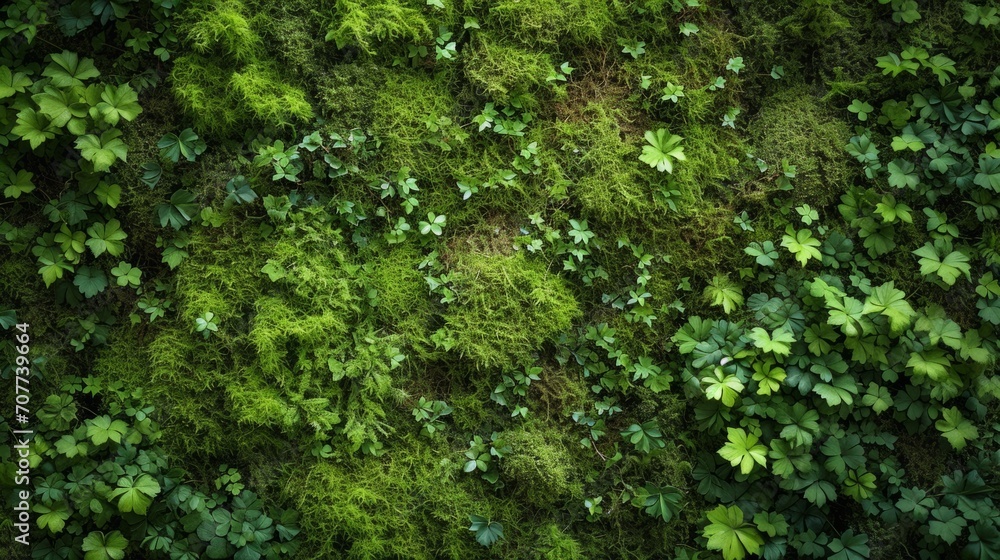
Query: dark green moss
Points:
[795, 125]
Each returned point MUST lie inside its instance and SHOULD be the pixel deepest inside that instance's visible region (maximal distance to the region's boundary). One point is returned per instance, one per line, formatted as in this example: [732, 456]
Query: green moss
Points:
[412, 503]
[345, 93]
[201, 87]
[541, 467]
[508, 306]
[223, 28]
[263, 93]
[545, 22]
[403, 105]
[189, 391]
[367, 24]
[402, 293]
[552, 543]
[293, 32]
[603, 165]
[796, 126]
[293, 356]
[218, 98]
[503, 70]
[712, 160]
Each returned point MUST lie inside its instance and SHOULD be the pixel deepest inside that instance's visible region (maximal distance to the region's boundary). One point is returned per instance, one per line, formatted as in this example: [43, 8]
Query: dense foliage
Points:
[550, 279]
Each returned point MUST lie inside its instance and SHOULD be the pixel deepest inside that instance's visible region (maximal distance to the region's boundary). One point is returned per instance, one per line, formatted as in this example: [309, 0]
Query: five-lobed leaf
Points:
[106, 237]
[955, 428]
[100, 546]
[102, 151]
[802, 244]
[136, 494]
[728, 533]
[67, 69]
[121, 102]
[186, 144]
[487, 531]
[661, 150]
[743, 450]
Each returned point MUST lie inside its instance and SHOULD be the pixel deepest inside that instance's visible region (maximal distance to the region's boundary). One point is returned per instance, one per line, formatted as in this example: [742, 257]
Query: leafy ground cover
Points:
[555, 279]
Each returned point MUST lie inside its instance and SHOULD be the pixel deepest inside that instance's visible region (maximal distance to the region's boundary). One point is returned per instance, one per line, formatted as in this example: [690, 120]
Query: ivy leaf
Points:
[955, 428]
[728, 532]
[103, 152]
[151, 173]
[102, 428]
[99, 546]
[135, 494]
[735, 64]
[187, 144]
[850, 546]
[662, 147]
[118, 103]
[69, 70]
[744, 450]
[106, 237]
[487, 532]
[91, 281]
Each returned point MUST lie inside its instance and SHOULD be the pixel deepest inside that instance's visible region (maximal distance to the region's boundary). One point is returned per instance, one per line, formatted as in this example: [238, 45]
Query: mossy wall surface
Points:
[449, 207]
